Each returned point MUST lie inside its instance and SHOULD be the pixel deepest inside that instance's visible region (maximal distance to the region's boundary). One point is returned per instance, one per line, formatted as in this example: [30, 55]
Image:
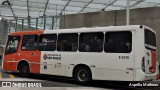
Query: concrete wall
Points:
[4, 25]
[3, 31]
[147, 16]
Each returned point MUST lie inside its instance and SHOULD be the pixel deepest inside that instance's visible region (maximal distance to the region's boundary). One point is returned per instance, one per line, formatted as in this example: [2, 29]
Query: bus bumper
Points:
[141, 76]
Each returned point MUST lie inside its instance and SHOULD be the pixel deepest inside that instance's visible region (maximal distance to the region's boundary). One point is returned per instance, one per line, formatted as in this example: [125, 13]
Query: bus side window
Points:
[47, 42]
[29, 42]
[118, 42]
[91, 42]
[67, 42]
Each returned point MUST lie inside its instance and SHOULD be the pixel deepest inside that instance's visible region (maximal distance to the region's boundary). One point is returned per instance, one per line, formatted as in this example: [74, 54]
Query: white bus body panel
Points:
[107, 66]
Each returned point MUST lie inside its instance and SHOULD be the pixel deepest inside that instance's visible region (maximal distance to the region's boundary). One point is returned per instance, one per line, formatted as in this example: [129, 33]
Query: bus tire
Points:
[24, 70]
[82, 75]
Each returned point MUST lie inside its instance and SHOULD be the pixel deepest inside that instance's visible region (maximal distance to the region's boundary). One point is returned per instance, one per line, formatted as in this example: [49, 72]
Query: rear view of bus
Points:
[149, 61]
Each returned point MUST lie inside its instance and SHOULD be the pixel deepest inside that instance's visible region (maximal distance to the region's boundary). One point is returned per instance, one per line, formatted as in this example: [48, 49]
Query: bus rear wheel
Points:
[82, 75]
[24, 70]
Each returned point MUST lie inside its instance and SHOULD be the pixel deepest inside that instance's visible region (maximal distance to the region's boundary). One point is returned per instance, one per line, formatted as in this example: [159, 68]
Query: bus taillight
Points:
[143, 64]
[152, 69]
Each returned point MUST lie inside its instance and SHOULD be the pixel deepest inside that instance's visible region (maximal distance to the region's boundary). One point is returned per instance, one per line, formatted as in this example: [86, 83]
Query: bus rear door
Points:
[150, 59]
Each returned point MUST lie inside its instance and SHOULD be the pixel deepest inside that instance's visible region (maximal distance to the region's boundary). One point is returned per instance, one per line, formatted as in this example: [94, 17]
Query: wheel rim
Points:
[24, 69]
[82, 75]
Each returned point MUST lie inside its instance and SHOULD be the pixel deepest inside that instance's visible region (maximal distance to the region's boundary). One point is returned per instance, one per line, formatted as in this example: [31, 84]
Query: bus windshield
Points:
[150, 39]
[12, 44]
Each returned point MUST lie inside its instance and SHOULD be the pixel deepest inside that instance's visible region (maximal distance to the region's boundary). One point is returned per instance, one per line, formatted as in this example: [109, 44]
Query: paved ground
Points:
[63, 83]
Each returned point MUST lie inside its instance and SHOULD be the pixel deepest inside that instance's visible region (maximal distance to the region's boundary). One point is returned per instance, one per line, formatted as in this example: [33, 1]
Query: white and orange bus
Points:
[125, 53]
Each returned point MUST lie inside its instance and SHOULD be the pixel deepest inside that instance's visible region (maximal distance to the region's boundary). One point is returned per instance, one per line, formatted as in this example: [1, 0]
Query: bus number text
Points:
[123, 57]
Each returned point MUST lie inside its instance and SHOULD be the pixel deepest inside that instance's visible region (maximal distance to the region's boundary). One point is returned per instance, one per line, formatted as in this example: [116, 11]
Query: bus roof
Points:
[78, 30]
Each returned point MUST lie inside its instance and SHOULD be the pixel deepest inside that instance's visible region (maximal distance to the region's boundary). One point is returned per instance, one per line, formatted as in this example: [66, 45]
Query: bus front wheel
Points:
[24, 70]
[82, 75]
